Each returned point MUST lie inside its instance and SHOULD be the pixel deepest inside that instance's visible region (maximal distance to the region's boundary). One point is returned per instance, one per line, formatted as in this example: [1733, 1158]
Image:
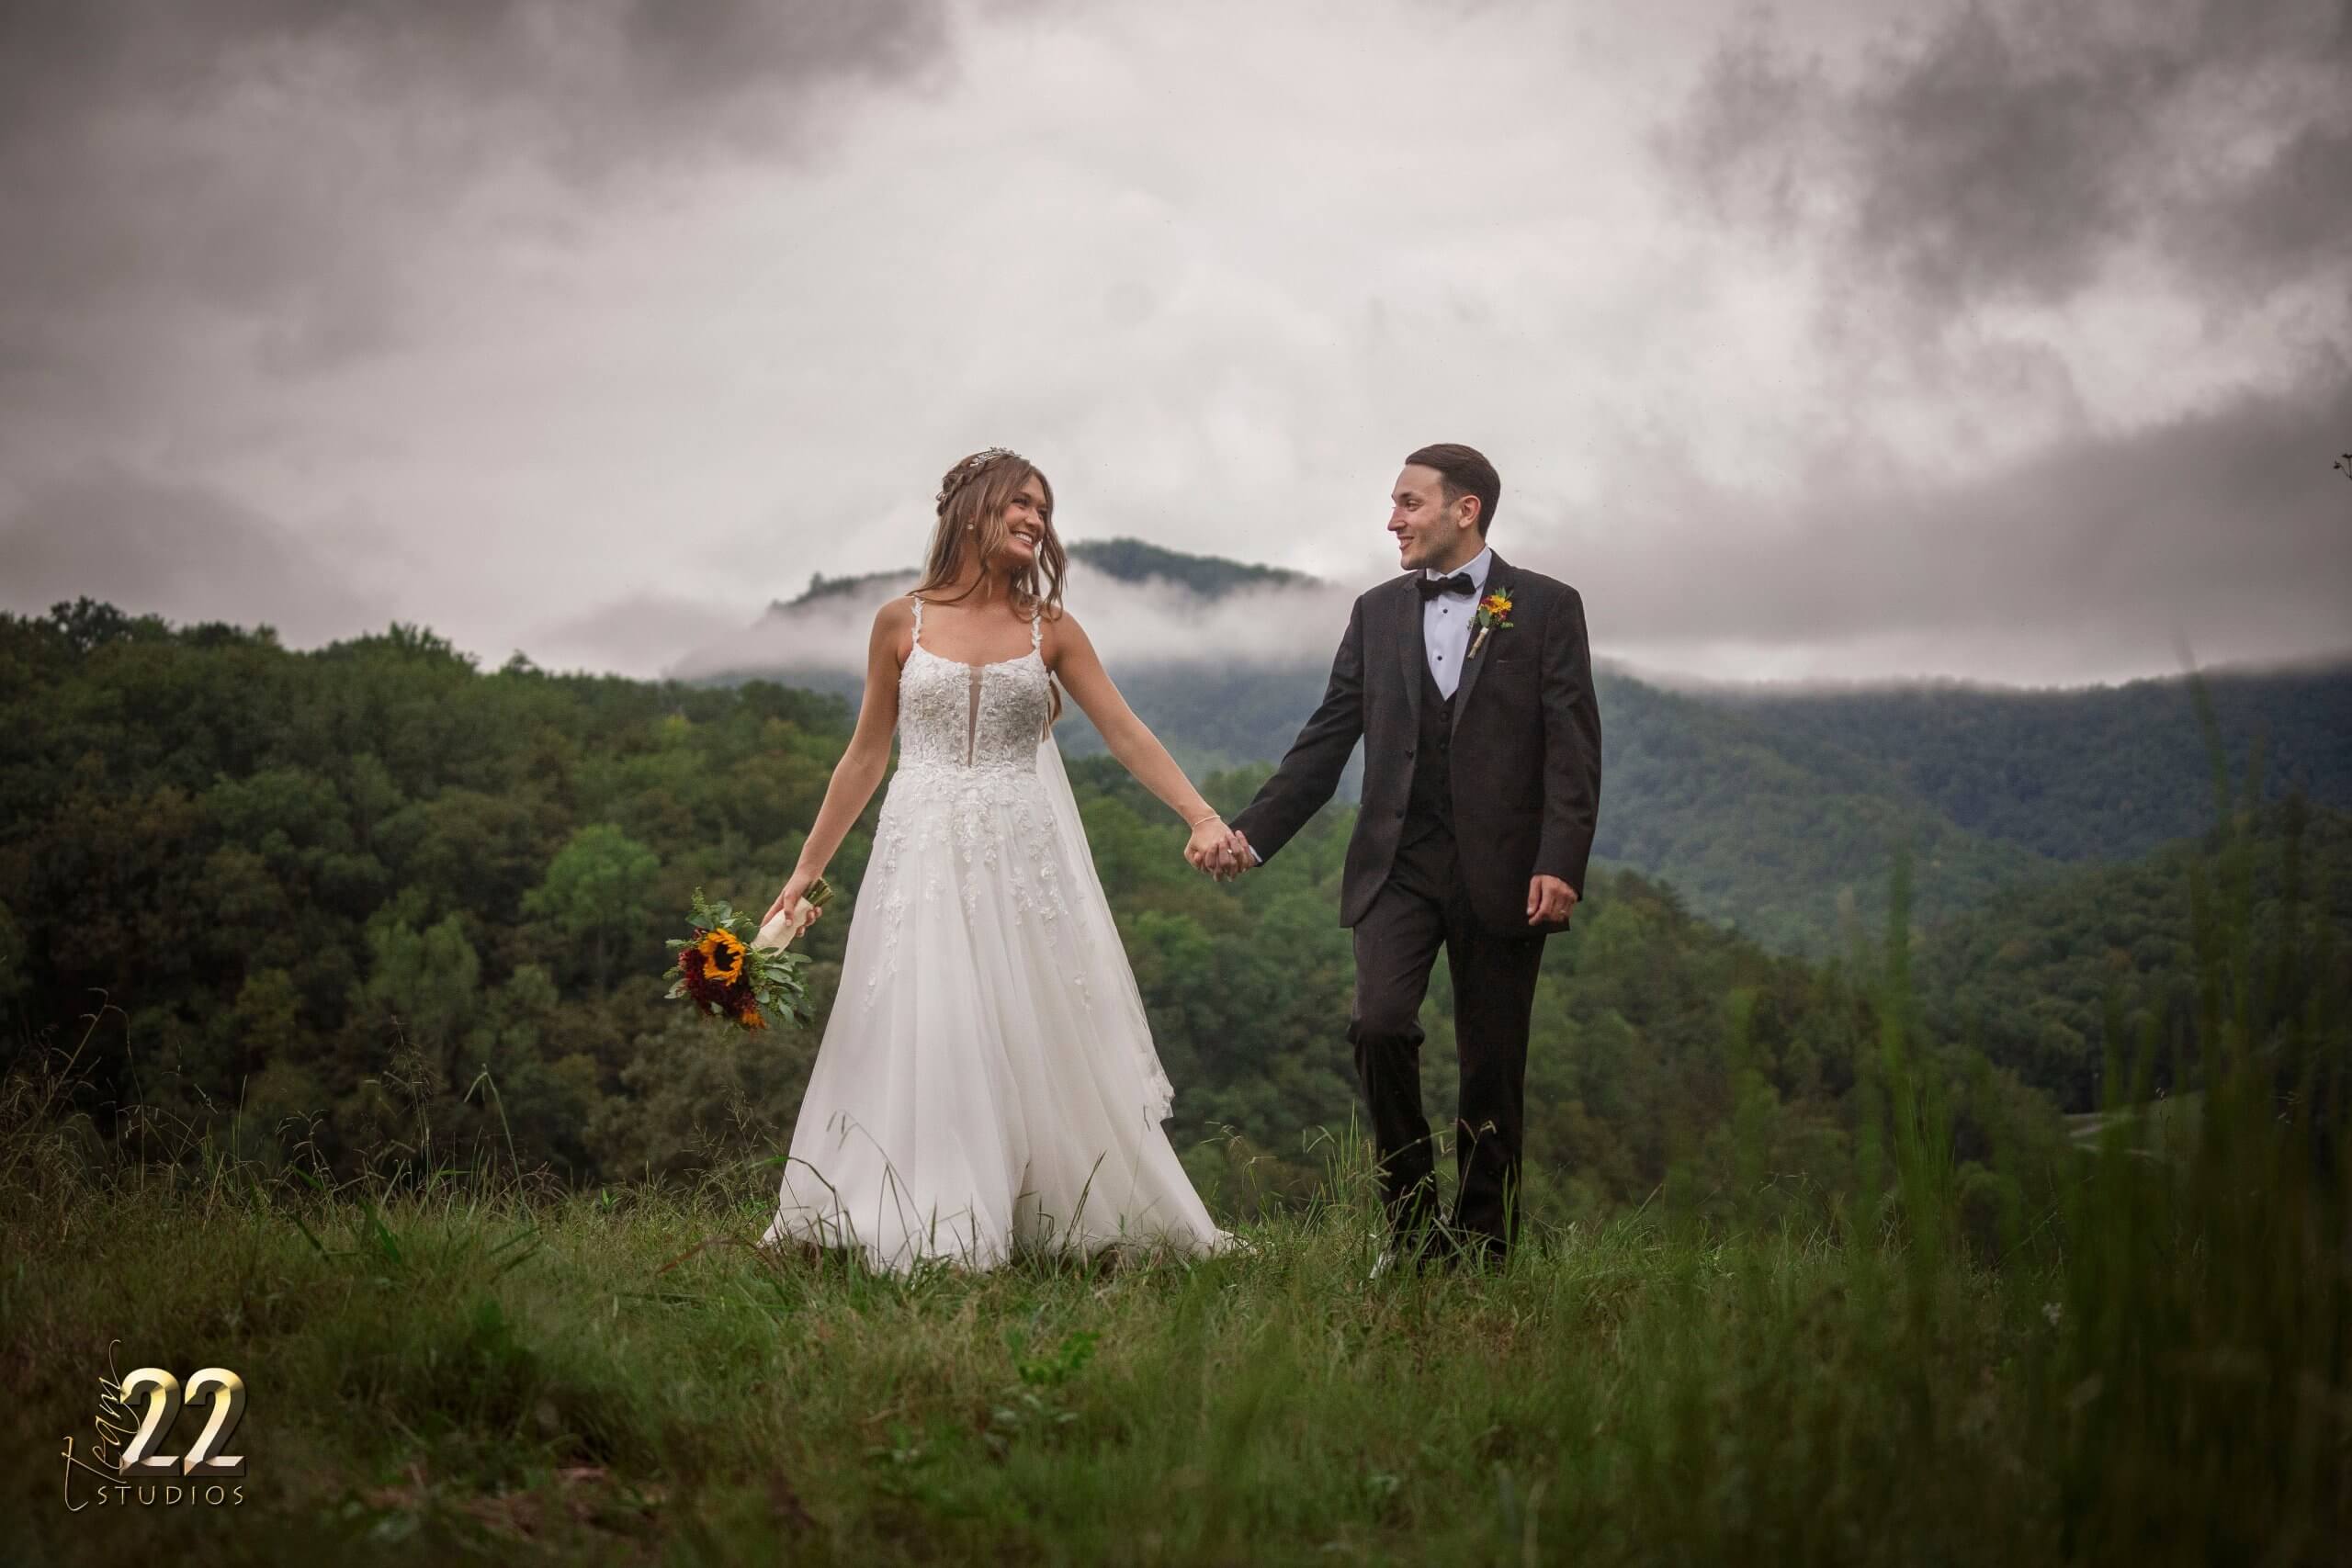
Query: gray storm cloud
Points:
[1972, 187]
[2013, 152]
[268, 169]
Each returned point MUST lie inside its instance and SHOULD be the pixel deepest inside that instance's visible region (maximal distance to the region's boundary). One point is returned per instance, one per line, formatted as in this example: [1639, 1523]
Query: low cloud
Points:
[1131, 625]
[638, 635]
[2225, 529]
[184, 553]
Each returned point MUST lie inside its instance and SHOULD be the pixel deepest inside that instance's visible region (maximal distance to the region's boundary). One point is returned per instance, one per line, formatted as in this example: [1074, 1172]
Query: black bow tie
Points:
[1458, 583]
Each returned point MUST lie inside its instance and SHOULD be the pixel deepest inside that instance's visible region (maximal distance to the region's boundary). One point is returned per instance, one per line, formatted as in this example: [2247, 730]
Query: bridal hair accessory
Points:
[971, 465]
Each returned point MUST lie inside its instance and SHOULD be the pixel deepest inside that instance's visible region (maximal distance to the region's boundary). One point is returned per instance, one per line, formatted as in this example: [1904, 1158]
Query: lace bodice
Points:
[972, 717]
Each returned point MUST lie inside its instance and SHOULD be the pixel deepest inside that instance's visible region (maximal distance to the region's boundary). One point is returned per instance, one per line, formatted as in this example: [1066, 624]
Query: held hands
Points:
[1549, 899]
[1217, 850]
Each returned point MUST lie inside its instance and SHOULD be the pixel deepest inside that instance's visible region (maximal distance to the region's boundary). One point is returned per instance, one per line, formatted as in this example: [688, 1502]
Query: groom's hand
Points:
[1239, 853]
[1223, 858]
[1549, 899]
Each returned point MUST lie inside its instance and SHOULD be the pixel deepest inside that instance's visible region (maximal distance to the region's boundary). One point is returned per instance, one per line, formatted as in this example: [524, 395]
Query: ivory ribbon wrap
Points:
[785, 925]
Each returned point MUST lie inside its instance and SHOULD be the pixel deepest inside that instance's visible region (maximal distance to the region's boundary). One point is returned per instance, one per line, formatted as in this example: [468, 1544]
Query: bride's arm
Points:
[864, 761]
[1071, 656]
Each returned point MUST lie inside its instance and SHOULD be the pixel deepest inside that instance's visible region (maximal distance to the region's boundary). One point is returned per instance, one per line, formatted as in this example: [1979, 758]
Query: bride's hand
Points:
[794, 888]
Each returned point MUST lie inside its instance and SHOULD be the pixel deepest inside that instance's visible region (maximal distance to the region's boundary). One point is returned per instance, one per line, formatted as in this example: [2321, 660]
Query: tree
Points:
[431, 982]
[598, 891]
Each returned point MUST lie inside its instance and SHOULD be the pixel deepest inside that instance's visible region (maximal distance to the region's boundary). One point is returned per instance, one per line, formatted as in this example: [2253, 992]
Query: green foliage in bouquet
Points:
[726, 974]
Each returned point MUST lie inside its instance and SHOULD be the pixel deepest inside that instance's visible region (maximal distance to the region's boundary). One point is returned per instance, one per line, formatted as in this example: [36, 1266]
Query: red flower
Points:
[692, 968]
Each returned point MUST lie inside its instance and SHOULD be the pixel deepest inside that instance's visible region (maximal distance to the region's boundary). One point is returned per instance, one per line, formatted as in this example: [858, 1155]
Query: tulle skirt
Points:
[986, 1084]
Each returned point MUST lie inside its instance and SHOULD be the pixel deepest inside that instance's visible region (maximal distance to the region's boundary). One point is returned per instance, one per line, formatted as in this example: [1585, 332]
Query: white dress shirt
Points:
[1445, 620]
[1445, 630]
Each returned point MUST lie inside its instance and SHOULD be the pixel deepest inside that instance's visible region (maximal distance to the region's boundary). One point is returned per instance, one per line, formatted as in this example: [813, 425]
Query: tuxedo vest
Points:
[1430, 806]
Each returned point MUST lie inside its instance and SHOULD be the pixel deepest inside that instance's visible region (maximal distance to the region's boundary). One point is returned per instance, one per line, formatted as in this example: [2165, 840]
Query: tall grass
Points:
[467, 1361]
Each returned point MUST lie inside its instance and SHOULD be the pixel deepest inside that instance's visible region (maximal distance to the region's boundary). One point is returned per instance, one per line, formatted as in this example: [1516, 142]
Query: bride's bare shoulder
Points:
[894, 626]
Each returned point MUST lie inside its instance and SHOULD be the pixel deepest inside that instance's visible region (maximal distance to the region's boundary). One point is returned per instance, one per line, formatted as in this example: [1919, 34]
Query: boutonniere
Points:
[1493, 611]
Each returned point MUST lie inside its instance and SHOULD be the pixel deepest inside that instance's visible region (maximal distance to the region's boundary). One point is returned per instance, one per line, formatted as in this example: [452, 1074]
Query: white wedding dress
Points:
[986, 1082]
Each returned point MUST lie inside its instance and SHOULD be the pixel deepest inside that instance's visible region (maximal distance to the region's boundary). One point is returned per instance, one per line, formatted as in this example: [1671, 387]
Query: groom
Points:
[1470, 684]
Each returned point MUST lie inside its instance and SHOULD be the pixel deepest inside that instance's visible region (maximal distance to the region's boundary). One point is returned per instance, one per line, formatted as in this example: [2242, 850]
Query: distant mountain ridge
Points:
[1130, 560]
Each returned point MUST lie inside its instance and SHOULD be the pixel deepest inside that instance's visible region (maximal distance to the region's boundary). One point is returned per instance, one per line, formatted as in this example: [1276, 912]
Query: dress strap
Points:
[918, 599]
[1036, 630]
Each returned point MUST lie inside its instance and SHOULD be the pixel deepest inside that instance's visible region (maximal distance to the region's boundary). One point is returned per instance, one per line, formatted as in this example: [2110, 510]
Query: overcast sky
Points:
[2010, 342]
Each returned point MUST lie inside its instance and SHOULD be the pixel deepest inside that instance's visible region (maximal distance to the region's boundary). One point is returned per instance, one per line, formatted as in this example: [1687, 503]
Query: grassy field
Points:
[471, 1371]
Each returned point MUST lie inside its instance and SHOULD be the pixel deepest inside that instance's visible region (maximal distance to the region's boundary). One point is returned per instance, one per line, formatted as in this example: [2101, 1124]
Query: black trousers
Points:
[1420, 908]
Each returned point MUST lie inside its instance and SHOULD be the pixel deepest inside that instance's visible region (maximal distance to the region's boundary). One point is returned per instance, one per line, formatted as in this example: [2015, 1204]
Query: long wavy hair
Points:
[972, 499]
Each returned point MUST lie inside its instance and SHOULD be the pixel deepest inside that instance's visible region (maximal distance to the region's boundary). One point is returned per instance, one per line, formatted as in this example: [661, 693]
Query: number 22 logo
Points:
[165, 1394]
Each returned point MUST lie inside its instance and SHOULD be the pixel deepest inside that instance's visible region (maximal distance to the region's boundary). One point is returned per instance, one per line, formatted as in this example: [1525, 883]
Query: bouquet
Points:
[730, 971]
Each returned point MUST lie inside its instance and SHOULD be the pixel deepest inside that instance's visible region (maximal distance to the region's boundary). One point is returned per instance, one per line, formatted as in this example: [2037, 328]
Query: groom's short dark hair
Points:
[1464, 470]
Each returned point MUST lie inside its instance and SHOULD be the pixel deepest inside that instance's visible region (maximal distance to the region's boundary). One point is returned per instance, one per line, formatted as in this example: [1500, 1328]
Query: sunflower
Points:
[722, 955]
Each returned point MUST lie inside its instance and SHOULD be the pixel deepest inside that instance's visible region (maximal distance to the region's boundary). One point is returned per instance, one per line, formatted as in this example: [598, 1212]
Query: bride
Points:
[987, 1081]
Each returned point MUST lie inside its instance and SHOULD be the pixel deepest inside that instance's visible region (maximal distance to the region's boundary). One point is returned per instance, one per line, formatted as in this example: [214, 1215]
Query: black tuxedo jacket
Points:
[1526, 748]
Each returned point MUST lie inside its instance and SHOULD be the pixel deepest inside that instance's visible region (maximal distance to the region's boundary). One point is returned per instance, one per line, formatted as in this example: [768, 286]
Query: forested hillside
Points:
[320, 891]
[2030, 976]
[2101, 773]
[1791, 844]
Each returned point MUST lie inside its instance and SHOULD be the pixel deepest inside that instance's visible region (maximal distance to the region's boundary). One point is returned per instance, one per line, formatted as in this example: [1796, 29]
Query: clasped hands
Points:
[1218, 850]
